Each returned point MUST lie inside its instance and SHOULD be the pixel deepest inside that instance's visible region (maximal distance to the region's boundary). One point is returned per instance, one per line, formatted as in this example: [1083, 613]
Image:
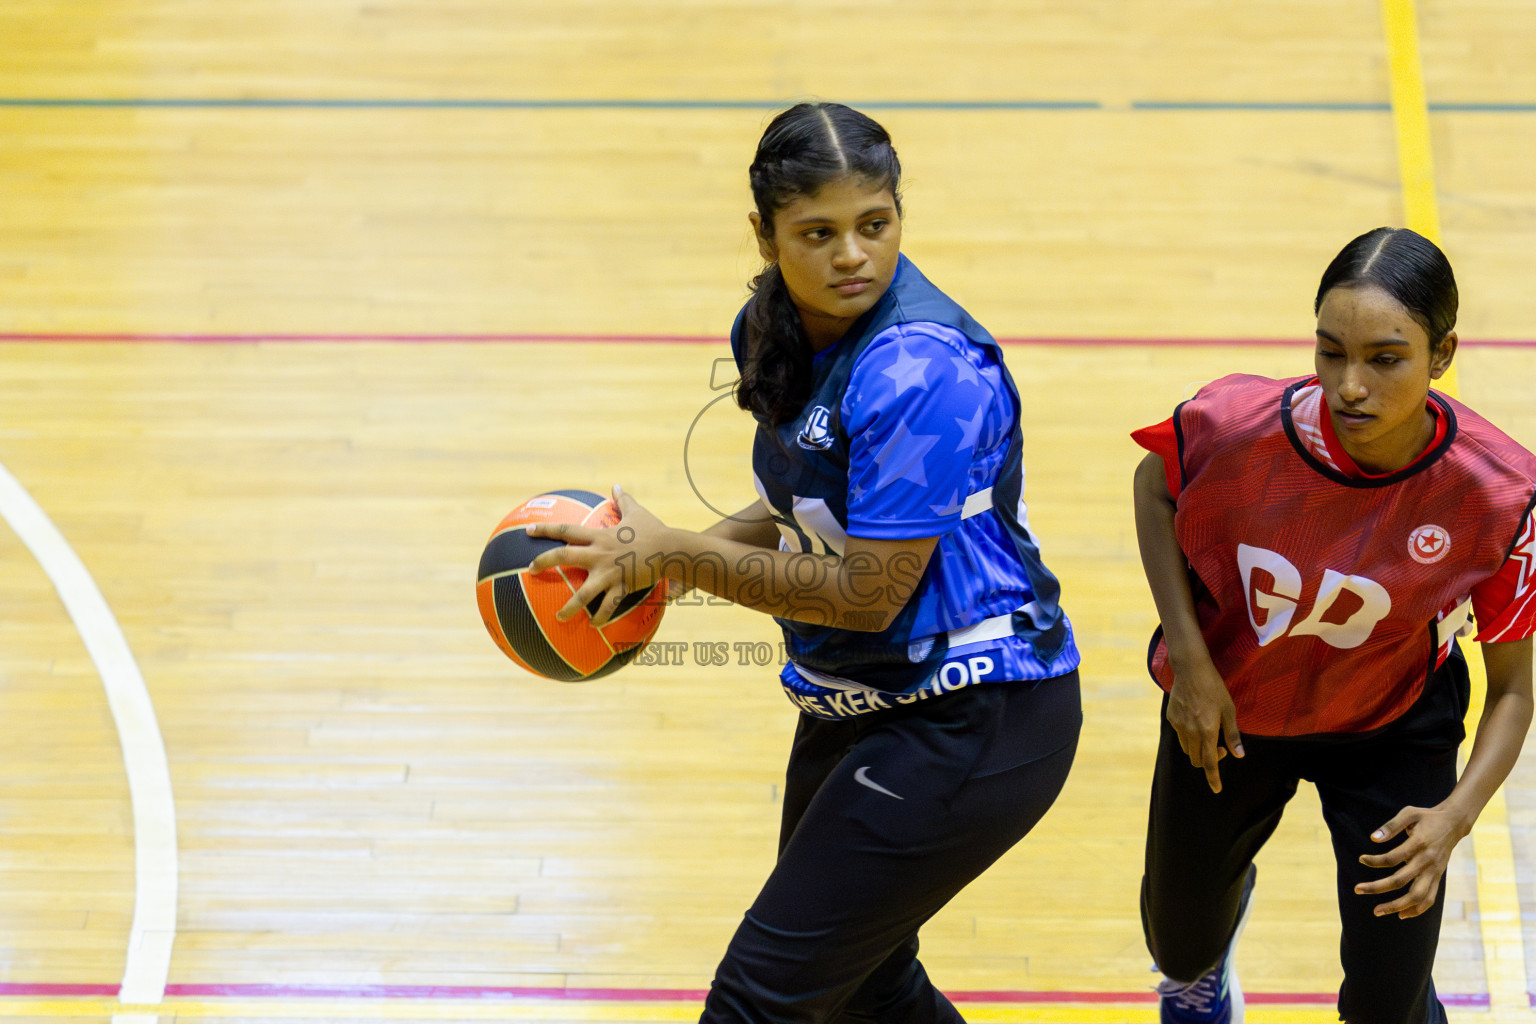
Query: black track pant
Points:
[1199, 846]
[886, 818]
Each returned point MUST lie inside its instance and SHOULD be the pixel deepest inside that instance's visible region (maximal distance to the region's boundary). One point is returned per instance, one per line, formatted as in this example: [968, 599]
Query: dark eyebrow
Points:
[1372, 344]
[883, 209]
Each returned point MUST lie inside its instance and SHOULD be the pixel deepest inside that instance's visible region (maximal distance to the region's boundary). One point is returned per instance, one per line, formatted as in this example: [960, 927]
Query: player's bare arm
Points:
[1432, 833]
[1199, 707]
[862, 589]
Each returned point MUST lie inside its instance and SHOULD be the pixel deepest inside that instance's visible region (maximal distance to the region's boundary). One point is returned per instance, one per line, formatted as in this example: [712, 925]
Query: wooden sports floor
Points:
[299, 297]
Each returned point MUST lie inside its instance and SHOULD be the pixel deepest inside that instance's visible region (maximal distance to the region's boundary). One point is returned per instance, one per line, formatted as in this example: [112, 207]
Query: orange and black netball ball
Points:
[519, 606]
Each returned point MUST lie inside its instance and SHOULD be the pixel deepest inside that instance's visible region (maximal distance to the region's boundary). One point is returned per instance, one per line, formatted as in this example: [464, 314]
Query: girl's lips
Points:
[852, 286]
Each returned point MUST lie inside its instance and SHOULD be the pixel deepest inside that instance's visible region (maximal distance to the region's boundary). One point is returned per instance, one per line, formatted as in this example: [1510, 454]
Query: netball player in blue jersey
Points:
[934, 670]
[1314, 547]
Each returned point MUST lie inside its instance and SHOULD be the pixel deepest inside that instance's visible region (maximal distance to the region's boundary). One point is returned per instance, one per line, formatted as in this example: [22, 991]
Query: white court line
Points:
[148, 961]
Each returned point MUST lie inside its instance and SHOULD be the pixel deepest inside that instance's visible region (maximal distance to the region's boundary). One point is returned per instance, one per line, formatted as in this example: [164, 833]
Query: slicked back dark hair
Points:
[1405, 265]
[803, 149]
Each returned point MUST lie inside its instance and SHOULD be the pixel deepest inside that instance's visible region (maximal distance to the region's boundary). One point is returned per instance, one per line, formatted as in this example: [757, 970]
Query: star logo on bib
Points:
[1428, 544]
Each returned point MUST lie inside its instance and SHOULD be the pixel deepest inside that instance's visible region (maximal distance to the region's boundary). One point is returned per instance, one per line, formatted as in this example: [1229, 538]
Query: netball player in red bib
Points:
[1314, 547]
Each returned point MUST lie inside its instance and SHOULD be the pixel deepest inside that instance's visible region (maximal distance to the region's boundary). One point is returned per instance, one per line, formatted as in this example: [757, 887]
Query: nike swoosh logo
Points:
[862, 778]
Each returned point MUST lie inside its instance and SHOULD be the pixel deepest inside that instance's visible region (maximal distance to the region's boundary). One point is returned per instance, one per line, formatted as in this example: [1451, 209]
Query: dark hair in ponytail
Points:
[1405, 265]
[804, 148]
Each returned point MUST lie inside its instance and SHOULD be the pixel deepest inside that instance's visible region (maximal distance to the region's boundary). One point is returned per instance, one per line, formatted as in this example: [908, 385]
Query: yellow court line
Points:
[1410, 114]
[1410, 117]
[1498, 900]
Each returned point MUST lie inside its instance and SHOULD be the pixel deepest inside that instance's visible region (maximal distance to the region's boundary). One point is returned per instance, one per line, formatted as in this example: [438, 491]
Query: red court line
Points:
[671, 339]
[631, 995]
[225, 339]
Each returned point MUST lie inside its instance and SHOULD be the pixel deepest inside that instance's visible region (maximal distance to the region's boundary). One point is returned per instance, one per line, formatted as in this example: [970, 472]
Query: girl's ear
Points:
[765, 247]
[1440, 362]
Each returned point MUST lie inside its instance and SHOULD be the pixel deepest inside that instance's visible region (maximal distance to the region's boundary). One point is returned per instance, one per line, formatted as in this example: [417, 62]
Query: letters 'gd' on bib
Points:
[1326, 600]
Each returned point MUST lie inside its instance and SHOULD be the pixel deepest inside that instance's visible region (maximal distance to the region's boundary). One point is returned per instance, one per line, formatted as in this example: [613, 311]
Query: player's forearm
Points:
[1165, 565]
[1500, 731]
[858, 592]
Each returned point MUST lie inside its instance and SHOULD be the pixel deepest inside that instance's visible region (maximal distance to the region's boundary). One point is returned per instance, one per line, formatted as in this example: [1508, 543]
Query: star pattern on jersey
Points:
[902, 457]
[907, 371]
[950, 509]
[1519, 613]
[921, 399]
[971, 429]
[1525, 554]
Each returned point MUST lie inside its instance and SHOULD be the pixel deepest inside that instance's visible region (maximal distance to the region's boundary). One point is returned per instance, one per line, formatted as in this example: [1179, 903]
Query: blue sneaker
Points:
[1216, 997]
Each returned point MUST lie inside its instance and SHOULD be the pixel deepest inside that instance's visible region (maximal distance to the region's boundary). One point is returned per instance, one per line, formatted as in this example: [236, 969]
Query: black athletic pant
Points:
[886, 817]
[1200, 844]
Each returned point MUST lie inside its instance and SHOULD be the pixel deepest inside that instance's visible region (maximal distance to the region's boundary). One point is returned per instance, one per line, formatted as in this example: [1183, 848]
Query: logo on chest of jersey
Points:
[816, 434]
[1343, 614]
[1429, 543]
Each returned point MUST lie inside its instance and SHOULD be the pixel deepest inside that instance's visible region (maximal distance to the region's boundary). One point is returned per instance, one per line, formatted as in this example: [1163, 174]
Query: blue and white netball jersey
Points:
[912, 431]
